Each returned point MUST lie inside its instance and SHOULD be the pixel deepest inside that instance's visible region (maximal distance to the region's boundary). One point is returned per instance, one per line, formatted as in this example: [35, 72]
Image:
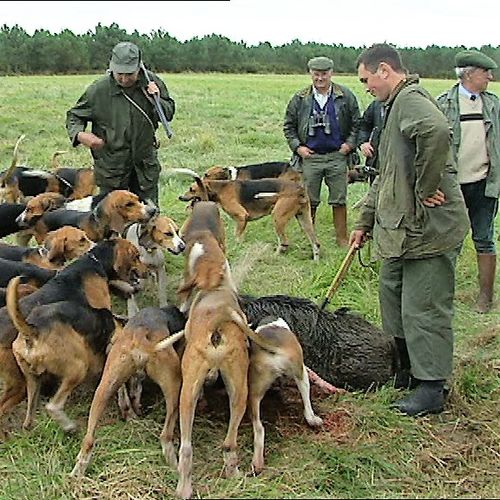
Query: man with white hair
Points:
[474, 117]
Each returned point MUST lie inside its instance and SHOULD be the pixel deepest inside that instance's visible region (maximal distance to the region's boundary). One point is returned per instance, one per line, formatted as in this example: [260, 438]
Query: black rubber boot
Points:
[427, 398]
[403, 379]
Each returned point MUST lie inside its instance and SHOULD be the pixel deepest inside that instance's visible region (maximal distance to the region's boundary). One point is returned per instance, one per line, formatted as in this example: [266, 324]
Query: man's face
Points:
[478, 79]
[126, 80]
[321, 79]
[375, 83]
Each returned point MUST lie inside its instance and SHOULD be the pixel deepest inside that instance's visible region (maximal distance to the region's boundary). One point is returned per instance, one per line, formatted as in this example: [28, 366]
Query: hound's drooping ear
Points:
[100, 209]
[55, 248]
[55, 200]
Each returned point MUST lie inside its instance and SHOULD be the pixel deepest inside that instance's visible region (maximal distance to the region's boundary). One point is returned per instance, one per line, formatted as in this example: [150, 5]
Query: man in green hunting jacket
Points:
[121, 109]
[416, 214]
[474, 116]
[321, 128]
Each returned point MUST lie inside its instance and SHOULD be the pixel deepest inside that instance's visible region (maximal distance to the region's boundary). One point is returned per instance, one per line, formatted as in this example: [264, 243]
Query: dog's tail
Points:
[8, 174]
[55, 160]
[165, 343]
[234, 317]
[183, 171]
[13, 309]
[192, 173]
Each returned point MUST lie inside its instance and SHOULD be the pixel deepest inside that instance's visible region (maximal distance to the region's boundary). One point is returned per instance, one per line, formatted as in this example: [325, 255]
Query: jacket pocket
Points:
[389, 220]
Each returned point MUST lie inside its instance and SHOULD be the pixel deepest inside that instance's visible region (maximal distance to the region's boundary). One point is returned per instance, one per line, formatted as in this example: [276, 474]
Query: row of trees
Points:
[64, 53]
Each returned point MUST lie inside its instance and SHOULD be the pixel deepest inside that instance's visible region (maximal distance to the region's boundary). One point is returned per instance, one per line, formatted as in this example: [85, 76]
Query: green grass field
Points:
[365, 449]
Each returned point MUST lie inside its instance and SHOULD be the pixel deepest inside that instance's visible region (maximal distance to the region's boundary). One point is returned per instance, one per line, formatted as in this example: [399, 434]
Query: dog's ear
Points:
[203, 188]
[53, 202]
[55, 248]
[99, 210]
[116, 222]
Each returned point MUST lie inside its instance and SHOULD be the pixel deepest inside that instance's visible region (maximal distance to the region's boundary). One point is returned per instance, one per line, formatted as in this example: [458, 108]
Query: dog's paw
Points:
[70, 427]
[315, 421]
[256, 469]
[282, 249]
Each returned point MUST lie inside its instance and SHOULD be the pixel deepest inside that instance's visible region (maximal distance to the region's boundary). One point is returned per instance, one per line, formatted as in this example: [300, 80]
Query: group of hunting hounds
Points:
[56, 317]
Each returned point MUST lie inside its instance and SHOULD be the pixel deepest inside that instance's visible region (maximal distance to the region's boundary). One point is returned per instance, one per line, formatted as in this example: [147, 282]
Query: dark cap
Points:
[474, 58]
[125, 58]
[320, 64]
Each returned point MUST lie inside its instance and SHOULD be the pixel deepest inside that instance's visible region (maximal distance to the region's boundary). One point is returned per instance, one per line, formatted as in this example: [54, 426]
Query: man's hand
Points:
[436, 200]
[90, 140]
[304, 151]
[358, 237]
[367, 149]
[152, 88]
[345, 149]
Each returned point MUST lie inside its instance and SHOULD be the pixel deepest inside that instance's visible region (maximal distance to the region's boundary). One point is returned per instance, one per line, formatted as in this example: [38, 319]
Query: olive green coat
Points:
[448, 102]
[414, 160]
[129, 136]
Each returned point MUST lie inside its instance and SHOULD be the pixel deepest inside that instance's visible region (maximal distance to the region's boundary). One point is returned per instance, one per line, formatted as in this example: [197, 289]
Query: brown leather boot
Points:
[486, 264]
[340, 223]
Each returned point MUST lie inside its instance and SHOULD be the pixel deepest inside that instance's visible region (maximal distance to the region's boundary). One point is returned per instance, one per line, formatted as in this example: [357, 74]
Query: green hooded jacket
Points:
[129, 136]
[414, 161]
[296, 123]
[448, 102]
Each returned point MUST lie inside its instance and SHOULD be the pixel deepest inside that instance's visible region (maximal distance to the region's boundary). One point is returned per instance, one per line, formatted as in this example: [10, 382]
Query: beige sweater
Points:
[473, 160]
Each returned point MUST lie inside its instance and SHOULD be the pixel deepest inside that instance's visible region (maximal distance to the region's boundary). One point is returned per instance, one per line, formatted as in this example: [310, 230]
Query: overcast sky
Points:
[350, 22]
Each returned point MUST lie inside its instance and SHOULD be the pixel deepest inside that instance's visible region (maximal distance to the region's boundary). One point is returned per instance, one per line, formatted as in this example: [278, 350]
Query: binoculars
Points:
[316, 120]
[370, 170]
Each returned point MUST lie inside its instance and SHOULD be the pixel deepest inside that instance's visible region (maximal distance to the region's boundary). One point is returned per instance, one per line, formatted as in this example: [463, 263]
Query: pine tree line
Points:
[68, 53]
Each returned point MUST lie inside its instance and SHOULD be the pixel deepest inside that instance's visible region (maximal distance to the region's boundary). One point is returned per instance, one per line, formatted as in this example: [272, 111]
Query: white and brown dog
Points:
[144, 345]
[266, 365]
[216, 342]
[206, 266]
[152, 238]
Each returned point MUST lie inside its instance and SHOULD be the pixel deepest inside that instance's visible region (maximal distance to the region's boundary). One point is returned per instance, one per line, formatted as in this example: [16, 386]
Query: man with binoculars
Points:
[321, 127]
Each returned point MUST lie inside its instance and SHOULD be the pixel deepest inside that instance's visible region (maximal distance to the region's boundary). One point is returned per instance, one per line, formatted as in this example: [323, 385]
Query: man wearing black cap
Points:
[321, 127]
[474, 116]
[121, 109]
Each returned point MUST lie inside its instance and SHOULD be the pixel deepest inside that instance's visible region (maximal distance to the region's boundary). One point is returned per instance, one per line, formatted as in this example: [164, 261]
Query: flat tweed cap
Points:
[320, 64]
[474, 58]
[125, 58]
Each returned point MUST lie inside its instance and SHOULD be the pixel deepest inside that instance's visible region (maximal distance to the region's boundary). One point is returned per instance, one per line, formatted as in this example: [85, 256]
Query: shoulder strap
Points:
[143, 113]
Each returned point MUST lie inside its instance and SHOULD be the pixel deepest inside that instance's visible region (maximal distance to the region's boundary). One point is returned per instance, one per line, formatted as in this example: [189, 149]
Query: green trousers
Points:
[332, 167]
[140, 177]
[416, 303]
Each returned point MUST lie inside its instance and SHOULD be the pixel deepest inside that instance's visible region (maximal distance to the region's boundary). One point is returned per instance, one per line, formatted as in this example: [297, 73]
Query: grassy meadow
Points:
[364, 450]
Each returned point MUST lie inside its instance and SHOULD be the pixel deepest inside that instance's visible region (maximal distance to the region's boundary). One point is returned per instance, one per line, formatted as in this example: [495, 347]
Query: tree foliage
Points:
[65, 53]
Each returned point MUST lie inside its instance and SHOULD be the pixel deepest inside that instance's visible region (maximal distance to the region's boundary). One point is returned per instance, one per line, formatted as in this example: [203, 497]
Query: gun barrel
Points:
[159, 109]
